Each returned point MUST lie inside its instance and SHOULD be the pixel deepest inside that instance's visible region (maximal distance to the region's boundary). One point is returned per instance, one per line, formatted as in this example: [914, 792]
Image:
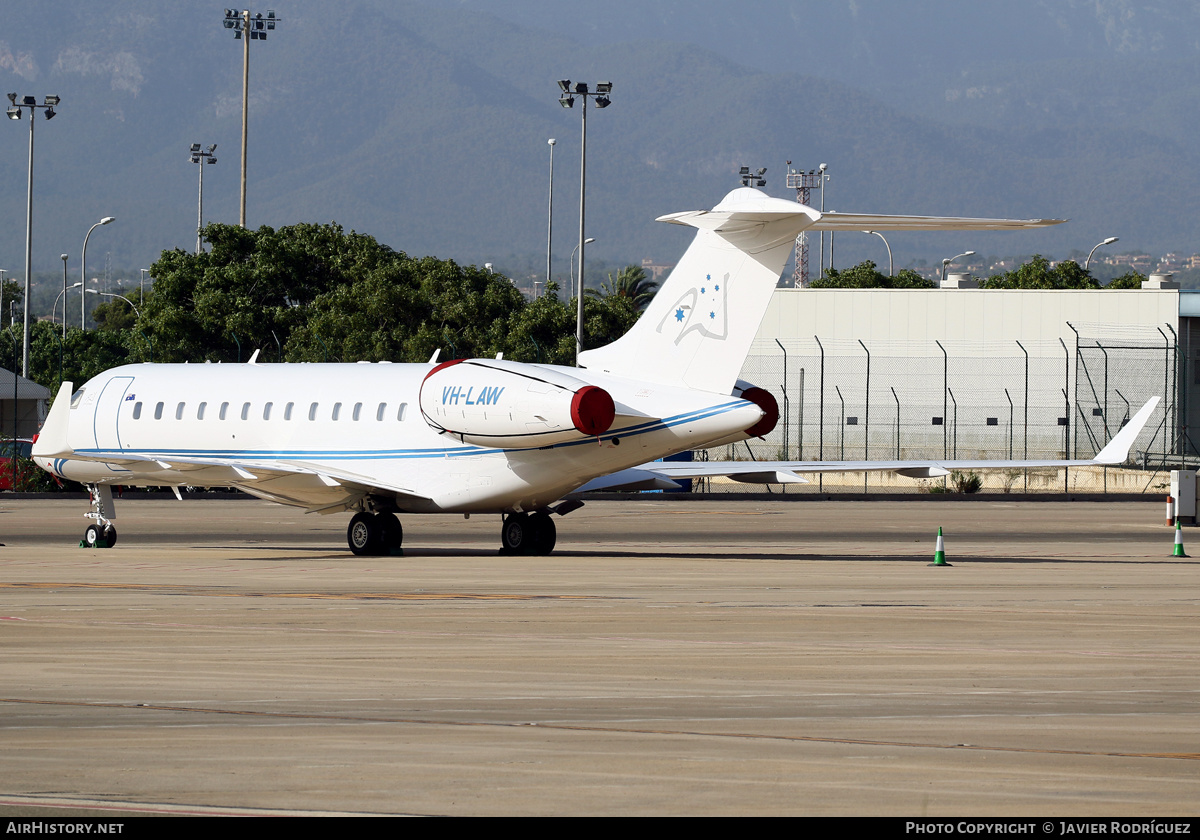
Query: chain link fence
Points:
[1047, 399]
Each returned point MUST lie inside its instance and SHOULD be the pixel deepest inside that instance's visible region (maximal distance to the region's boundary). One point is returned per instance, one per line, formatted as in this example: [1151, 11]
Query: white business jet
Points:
[482, 435]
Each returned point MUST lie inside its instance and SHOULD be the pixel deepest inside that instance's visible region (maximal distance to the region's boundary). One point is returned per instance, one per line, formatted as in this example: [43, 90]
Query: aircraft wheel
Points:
[515, 534]
[97, 534]
[543, 533]
[363, 534]
[391, 534]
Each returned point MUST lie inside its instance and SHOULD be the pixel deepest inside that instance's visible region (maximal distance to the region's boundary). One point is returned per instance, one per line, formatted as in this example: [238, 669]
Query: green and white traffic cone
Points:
[939, 552]
[1178, 541]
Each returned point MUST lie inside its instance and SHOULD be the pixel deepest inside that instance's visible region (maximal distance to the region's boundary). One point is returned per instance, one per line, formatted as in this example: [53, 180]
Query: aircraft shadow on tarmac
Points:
[309, 553]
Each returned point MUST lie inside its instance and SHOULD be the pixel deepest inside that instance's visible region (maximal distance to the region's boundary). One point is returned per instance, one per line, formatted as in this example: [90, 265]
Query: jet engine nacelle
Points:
[762, 398]
[509, 405]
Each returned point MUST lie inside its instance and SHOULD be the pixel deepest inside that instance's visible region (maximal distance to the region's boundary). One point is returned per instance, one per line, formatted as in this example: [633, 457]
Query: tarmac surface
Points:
[699, 657]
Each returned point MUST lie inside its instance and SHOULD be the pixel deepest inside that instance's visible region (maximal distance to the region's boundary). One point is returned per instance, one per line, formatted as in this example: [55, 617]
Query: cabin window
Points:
[179, 411]
[401, 412]
[357, 410]
[312, 411]
[337, 407]
[158, 411]
[287, 411]
[137, 411]
[381, 411]
[245, 411]
[77, 397]
[200, 410]
[267, 411]
[224, 409]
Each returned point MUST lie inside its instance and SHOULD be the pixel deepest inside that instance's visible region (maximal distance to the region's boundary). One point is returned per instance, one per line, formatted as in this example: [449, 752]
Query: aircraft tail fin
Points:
[697, 330]
[699, 327]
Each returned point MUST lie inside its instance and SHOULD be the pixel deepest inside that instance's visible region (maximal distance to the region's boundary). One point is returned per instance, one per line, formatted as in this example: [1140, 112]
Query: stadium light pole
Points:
[567, 100]
[952, 259]
[752, 179]
[15, 112]
[203, 157]
[247, 29]
[83, 272]
[889, 248]
[1108, 241]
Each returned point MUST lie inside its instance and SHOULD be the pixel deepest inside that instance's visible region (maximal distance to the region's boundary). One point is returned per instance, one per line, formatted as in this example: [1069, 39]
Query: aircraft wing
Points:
[320, 490]
[868, 221]
[788, 472]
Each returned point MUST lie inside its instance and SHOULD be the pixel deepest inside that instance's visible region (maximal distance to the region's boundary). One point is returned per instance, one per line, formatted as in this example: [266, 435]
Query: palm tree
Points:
[631, 282]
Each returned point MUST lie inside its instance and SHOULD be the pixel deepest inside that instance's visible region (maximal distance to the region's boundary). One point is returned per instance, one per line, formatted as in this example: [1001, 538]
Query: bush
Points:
[966, 482]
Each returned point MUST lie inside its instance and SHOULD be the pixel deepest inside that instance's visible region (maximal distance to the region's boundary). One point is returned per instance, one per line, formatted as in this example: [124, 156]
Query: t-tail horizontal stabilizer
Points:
[697, 330]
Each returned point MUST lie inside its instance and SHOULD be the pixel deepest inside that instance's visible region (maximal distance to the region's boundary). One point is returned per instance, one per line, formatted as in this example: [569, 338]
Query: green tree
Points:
[77, 358]
[631, 282]
[1037, 274]
[10, 292]
[1128, 280]
[866, 276]
[117, 314]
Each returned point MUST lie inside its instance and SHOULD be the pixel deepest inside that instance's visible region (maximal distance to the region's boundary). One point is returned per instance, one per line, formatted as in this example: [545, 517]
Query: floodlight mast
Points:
[14, 113]
[567, 99]
[247, 29]
[202, 158]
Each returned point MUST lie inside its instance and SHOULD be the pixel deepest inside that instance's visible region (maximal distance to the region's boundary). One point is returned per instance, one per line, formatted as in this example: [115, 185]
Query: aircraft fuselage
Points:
[310, 434]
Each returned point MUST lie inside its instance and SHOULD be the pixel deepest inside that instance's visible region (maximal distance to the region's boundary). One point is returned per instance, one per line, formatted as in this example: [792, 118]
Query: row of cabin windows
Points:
[356, 413]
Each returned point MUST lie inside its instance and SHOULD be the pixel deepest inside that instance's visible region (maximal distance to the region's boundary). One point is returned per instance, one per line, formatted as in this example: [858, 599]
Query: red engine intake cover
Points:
[764, 400]
[593, 412]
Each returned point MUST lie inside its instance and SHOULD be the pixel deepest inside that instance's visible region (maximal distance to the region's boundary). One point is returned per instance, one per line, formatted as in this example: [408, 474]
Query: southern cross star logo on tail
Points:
[700, 309]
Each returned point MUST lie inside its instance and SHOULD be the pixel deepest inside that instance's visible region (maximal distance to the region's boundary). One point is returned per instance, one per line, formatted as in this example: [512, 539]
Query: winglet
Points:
[1118, 448]
[52, 439]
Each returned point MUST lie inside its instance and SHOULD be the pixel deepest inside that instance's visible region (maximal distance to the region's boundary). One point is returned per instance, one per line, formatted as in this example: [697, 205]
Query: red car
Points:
[22, 448]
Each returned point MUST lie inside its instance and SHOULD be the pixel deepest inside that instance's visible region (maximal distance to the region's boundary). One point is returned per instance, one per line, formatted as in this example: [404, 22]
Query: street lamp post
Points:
[202, 157]
[132, 305]
[14, 113]
[889, 248]
[821, 172]
[247, 29]
[587, 241]
[62, 295]
[1108, 241]
[549, 213]
[567, 100]
[952, 259]
[63, 257]
[83, 271]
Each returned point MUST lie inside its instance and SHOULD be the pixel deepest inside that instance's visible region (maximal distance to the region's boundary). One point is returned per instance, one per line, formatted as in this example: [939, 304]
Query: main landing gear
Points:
[528, 533]
[375, 534]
